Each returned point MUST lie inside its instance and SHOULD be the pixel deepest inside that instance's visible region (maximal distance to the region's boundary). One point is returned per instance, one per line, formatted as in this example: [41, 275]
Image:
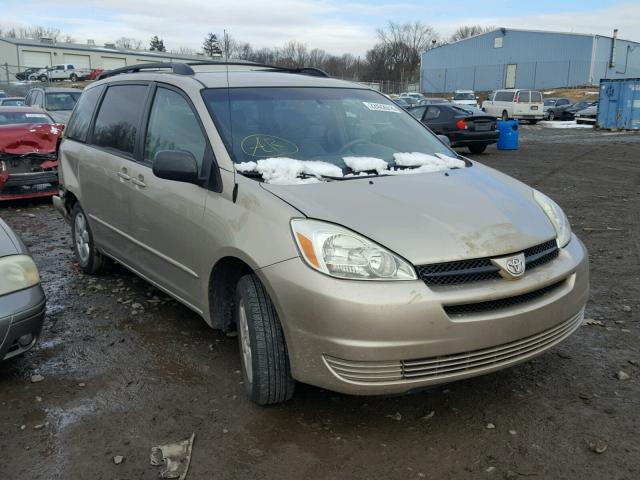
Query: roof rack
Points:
[178, 68]
[312, 71]
[185, 68]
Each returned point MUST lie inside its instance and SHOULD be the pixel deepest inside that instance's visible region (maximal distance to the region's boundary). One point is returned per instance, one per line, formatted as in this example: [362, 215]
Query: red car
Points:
[94, 73]
[28, 153]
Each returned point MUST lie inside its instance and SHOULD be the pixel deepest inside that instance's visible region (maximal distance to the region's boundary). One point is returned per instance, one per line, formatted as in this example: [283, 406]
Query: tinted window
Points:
[173, 126]
[417, 112]
[62, 100]
[523, 97]
[117, 121]
[504, 97]
[536, 97]
[8, 118]
[432, 112]
[79, 124]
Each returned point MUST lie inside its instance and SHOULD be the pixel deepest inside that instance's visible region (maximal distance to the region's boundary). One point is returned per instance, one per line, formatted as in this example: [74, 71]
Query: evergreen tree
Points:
[157, 44]
[211, 46]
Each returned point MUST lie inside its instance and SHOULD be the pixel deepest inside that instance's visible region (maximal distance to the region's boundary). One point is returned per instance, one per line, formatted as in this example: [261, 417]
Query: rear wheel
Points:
[73, 77]
[263, 351]
[505, 115]
[533, 122]
[477, 148]
[89, 259]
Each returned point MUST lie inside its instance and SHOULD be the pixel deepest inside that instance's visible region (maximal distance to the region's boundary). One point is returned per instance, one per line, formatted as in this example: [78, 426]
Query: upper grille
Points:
[474, 270]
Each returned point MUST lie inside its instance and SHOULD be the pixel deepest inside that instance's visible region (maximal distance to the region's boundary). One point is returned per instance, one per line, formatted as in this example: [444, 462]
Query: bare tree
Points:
[128, 43]
[403, 44]
[185, 51]
[466, 31]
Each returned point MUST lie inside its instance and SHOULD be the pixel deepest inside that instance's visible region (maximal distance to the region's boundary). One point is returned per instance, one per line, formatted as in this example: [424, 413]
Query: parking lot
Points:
[125, 368]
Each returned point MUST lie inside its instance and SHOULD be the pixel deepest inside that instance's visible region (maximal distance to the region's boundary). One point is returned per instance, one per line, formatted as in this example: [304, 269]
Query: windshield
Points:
[464, 96]
[322, 124]
[62, 100]
[9, 118]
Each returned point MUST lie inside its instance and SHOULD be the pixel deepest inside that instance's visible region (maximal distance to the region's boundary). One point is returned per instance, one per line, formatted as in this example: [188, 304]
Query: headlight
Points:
[556, 216]
[341, 253]
[16, 273]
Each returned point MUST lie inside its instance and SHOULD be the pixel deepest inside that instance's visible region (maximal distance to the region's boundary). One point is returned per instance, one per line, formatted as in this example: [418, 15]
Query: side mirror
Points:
[177, 165]
[444, 139]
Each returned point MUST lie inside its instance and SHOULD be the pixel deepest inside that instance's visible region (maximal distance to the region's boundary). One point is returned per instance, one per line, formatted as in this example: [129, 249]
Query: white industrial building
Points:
[16, 54]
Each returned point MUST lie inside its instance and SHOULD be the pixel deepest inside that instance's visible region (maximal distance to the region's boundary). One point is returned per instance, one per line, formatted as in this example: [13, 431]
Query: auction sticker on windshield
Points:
[381, 107]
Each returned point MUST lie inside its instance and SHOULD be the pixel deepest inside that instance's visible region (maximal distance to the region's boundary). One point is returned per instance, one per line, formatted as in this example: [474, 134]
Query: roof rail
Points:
[178, 68]
[312, 71]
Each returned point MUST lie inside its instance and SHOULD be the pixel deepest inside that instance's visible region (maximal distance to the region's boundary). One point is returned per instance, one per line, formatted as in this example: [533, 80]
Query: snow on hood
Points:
[287, 171]
[366, 164]
[432, 163]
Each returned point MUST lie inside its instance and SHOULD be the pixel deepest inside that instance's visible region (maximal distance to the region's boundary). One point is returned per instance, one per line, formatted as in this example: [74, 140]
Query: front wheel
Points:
[43, 78]
[477, 148]
[89, 259]
[263, 351]
[551, 115]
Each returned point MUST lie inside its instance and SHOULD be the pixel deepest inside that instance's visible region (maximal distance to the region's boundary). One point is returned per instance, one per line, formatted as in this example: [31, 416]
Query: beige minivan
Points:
[522, 104]
[348, 246]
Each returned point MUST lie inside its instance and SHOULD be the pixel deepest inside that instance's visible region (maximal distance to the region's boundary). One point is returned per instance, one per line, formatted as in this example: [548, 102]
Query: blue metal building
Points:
[509, 58]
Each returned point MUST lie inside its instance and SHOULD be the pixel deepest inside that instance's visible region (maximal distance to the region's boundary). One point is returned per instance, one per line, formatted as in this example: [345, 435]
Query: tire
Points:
[263, 351]
[73, 77]
[551, 115]
[477, 148]
[43, 78]
[505, 115]
[90, 260]
[533, 122]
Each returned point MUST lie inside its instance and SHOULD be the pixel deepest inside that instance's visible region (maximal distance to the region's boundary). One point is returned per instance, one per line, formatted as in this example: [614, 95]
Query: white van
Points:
[516, 103]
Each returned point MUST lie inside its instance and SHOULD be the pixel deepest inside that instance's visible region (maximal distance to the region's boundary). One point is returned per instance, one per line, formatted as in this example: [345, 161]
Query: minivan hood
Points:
[429, 218]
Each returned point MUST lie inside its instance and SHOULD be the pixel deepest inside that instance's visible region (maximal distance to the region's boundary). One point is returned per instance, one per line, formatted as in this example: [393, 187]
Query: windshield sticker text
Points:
[381, 107]
[260, 145]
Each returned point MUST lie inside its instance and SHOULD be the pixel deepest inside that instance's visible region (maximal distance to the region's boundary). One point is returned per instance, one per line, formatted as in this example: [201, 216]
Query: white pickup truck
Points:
[65, 71]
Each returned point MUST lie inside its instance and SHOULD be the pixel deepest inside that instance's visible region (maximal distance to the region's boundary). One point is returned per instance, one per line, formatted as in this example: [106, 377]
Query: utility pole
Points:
[6, 70]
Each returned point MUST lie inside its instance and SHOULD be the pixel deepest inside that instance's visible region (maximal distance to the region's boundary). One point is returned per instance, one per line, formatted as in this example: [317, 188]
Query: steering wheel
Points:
[355, 141]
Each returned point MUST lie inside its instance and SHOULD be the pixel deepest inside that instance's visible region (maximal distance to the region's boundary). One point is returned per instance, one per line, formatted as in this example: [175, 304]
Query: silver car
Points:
[22, 300]
[348, 246]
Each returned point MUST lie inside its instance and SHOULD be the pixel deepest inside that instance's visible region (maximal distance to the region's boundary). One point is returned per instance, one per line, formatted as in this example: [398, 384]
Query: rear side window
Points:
[523, 97]
[117, 122]
[432, 113]
[504, 97]
[78, 127]
[536, 97]
[173, 125]
[417, 112]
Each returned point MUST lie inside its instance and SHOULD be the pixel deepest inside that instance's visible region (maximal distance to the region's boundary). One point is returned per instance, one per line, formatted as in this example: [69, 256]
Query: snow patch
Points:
[366, 164]
[286, 171]
[432, 163]
[567, 124]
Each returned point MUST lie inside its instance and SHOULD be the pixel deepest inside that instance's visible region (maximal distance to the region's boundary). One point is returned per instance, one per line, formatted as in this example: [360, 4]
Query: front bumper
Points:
[368, 338]
[29, 185]
[23, 313]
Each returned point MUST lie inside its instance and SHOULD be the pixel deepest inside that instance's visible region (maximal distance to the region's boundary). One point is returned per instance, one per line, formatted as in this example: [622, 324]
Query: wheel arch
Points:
[223, 280]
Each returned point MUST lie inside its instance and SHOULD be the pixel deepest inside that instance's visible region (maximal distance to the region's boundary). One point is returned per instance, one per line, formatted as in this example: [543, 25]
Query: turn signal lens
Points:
[461, 124]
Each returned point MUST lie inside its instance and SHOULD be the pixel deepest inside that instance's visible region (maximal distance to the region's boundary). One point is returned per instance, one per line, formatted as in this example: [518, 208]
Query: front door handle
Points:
[139, 181]
[123, 176]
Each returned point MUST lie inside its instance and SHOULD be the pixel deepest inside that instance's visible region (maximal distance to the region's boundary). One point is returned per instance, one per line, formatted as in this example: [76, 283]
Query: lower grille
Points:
[477, 269]
[451, 366]
[479, 307]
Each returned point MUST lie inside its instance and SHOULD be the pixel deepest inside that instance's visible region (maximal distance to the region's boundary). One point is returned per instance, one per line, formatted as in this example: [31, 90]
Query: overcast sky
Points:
[338, 26]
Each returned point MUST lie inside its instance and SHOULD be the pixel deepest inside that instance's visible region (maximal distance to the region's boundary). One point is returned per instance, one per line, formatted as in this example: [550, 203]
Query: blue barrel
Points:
[508, 139]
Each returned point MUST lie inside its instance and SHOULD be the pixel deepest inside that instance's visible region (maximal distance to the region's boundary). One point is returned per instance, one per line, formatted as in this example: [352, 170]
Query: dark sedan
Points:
[566, 112]
[464, 127]
[22, 300]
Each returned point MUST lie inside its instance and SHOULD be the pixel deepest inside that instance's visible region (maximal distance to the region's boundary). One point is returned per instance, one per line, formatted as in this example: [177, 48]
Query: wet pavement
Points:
[126, 368]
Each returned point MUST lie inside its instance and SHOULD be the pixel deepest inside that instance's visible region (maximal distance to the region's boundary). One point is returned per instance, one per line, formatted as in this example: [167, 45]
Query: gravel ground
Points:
[126, 368]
